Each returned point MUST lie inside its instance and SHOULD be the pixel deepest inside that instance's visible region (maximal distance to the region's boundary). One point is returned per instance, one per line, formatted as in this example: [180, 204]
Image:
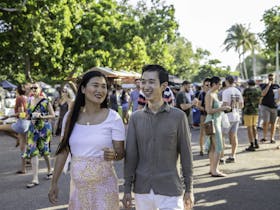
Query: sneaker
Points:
[222, 161]
[272, 141]
[263, 140]
[230, 160]
[49, 176]
[257, 146]
[250, 148]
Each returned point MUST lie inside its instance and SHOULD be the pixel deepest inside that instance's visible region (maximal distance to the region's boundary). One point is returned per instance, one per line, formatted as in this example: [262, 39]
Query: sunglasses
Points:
[34, 88]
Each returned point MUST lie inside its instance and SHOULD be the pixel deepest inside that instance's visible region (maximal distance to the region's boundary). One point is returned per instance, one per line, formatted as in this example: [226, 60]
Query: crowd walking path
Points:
[253, 182]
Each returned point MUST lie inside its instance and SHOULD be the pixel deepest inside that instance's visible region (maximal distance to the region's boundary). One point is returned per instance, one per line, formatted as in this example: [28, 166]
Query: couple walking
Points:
[94, 136]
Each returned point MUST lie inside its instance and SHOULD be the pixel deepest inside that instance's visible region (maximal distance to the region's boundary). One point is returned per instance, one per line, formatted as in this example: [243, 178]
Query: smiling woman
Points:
[95, 136]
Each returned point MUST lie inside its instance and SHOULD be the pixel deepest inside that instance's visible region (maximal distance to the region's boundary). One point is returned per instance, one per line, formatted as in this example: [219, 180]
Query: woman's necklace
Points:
[90, 121]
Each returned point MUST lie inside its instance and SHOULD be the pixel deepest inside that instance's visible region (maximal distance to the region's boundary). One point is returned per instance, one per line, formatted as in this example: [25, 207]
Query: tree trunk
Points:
[277, 62]
[240, 67]
[244, 66]
[254, 64]
[28, 69]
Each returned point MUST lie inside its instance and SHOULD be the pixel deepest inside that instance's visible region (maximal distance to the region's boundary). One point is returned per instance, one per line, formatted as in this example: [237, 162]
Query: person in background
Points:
[134, 95]
[156, 136]
[251, 96]
[232, 97]
[94, 136]
[113, 101]
[124, 103]
[269, 108]
[65, 102]
[183, 99]
[55, 121]
[214, 144]
[39, 134]
[203, 113]
[20, 127]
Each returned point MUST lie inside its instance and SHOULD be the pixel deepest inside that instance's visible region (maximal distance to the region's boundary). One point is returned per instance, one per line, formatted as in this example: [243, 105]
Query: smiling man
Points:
[157, 136]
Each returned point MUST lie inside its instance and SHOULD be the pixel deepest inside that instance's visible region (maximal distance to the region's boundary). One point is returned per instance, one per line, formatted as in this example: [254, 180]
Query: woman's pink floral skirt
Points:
[94, 184]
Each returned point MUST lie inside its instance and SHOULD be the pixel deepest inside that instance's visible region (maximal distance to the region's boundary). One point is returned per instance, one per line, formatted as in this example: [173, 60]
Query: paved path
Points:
[253, 182]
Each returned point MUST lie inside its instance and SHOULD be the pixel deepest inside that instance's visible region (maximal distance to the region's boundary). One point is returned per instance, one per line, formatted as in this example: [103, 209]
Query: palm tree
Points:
[241, 40]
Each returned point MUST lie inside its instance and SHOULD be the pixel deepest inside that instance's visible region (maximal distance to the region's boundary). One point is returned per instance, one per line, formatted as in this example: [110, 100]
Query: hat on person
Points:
[251, 82]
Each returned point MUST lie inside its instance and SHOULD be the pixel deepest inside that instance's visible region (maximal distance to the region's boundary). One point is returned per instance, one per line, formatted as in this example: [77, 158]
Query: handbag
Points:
[209, 128]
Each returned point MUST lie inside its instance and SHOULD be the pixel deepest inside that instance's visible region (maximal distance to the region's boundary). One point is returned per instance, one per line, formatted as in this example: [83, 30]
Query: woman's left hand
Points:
[109, 154]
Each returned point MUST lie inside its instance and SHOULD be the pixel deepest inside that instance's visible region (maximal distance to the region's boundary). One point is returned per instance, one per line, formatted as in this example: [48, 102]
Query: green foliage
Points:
[241, 40]
[271, 34]
[212, 68]
[53, 40]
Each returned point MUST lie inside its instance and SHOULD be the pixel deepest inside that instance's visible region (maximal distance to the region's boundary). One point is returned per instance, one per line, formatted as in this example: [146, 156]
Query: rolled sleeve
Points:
[184, 148]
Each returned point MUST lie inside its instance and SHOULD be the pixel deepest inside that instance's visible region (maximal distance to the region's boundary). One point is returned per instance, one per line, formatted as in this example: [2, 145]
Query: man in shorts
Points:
[269, 108]
[251, 96]
[231, 96]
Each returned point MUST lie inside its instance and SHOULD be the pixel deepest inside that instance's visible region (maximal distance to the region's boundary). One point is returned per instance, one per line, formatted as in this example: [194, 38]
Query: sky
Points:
[204, 22]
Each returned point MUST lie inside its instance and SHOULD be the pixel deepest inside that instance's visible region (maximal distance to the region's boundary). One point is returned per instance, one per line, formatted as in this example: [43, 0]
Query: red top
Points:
[21, 101]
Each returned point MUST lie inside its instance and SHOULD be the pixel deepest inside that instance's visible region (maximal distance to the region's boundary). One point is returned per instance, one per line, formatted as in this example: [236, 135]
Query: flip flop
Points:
[32, 184]
[49, 176]
[218, 175]
[20, 172]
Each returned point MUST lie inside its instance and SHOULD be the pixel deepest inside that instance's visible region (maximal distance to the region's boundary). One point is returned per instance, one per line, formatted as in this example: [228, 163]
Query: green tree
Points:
[241, 40]
[271, 34]
[32, 38]
[212, 68]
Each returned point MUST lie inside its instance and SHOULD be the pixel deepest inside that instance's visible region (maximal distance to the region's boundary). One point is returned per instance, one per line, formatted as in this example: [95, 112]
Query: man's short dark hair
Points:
[251, 82]
[206, 80]
[230, 79]
[162, 73]
[186, 82]
[270, 75]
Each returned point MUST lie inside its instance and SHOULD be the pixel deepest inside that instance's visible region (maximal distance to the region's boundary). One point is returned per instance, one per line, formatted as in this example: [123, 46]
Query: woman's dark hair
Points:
[78, 104]
[123, 96]
[21, 90]
[214, 80]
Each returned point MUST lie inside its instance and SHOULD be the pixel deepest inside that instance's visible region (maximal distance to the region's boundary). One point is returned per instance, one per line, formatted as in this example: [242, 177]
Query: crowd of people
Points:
[147, 126]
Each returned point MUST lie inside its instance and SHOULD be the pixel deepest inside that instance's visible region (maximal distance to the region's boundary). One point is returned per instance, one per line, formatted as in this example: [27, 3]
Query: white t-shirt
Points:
[227, 96]
[89, 140]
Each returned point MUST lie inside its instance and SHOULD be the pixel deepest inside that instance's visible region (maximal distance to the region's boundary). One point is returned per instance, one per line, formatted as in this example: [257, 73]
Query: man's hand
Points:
[188, 201]
[127, 200]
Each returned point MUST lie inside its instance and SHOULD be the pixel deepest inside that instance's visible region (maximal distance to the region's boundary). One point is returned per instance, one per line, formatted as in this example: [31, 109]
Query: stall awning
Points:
[116, 74]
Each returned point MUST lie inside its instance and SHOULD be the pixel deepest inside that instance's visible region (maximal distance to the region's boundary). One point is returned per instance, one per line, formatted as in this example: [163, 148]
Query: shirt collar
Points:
[165, 107]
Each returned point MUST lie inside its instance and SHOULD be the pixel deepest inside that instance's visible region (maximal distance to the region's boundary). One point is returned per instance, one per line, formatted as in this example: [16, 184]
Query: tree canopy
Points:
[53, 40]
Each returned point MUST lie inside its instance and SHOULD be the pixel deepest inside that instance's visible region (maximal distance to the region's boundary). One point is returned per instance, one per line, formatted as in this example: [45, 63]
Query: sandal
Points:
[49, 176]
[32, 184]
[263, 140]
[20, 172]
[218, 175]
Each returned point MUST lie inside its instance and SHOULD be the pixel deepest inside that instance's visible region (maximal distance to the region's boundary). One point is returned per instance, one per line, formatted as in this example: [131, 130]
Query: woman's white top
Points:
[90, 140]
